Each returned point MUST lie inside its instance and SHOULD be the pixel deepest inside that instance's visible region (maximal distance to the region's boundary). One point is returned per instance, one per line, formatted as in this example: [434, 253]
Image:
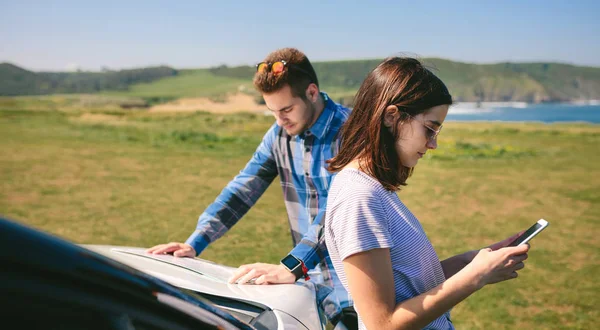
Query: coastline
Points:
[571, 112]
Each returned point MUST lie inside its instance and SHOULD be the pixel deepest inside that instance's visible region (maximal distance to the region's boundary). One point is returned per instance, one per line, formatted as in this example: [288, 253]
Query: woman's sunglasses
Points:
[431, 133]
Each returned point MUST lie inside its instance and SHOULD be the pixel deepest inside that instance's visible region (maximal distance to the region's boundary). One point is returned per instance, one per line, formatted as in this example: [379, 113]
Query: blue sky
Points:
[60, 35]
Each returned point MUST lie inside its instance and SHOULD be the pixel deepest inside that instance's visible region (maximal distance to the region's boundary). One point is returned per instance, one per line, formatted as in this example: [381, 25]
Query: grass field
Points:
[135, 178]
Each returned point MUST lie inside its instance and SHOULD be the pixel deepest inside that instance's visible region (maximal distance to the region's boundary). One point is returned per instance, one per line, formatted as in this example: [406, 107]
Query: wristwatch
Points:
[294, 265]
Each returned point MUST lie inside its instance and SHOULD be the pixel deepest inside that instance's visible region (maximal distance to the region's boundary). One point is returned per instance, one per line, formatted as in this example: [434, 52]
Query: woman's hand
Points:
[505, 242]
[491, 266]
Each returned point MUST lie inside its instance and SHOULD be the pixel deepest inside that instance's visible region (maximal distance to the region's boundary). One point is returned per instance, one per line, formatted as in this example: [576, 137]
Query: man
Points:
[296, 147]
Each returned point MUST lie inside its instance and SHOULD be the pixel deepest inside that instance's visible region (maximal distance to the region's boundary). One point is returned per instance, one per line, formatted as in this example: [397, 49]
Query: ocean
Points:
[523, 112]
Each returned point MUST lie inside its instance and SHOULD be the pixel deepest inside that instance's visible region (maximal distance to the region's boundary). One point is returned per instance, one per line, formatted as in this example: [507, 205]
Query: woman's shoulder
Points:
[358, 179]
[351, 184]
[356, 218]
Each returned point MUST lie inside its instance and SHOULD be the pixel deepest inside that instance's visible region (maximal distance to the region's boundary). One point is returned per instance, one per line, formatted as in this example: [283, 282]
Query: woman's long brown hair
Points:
[399, 81]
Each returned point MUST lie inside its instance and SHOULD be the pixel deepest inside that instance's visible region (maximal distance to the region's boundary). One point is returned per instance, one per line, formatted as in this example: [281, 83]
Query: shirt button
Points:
[307, 149]
[306, 174]
[313, 196]
[308, 133]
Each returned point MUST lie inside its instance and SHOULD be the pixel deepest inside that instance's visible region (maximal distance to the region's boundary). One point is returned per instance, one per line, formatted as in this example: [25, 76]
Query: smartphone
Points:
[530, 233]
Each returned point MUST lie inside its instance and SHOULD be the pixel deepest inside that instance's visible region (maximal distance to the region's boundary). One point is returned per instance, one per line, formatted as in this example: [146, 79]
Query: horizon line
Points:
[102, 68]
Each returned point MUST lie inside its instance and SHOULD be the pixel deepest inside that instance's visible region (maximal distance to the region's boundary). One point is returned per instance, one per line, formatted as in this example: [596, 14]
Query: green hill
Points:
[527, 82]
[188, 83]
[17, 81]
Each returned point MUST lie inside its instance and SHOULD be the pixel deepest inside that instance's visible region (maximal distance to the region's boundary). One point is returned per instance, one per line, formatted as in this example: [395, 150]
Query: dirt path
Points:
[234, 103]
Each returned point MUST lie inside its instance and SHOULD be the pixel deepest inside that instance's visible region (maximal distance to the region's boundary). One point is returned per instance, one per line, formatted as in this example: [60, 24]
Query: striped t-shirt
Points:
[361, 215]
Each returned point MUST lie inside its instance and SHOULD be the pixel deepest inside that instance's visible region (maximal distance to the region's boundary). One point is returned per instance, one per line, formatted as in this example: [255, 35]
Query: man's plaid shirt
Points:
[300, 163]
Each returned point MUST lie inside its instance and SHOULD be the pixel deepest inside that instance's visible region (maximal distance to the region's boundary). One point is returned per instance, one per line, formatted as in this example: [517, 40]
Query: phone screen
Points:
[526, 234]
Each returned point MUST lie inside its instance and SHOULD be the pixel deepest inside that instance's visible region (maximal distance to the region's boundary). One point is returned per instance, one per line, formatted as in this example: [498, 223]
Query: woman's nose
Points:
[432, 144]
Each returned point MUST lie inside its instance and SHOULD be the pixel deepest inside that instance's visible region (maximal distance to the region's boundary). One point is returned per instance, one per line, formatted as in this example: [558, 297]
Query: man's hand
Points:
[174, 248]
[260, 273]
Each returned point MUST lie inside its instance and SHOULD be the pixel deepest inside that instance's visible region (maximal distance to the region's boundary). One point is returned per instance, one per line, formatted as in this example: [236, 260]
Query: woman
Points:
[374, 241]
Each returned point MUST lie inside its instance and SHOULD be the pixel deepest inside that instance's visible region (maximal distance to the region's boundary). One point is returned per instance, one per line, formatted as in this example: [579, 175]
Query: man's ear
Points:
[312, 92]
[390, 114]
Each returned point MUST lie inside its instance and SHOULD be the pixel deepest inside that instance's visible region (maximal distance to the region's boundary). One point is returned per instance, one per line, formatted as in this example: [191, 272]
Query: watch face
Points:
[290, 262]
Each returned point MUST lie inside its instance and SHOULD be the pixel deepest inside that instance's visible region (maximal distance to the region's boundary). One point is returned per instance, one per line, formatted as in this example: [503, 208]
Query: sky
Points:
[90, 35]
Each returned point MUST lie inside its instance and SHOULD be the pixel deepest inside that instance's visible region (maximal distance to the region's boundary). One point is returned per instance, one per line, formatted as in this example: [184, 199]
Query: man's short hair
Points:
[298, 73]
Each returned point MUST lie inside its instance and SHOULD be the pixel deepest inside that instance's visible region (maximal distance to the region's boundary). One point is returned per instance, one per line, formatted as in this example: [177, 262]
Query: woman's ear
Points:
[390, 114]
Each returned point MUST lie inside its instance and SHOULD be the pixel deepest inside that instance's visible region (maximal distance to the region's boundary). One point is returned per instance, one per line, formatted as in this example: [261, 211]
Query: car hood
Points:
[297, 300]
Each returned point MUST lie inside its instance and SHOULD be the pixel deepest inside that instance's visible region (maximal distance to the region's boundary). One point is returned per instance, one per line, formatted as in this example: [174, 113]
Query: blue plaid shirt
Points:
[300, 163]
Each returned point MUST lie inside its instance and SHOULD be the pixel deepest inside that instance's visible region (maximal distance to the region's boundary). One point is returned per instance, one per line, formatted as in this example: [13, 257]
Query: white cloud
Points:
[72, 67]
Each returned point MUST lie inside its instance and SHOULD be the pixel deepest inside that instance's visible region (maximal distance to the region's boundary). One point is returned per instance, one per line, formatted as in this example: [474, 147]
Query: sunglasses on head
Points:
[278, 68]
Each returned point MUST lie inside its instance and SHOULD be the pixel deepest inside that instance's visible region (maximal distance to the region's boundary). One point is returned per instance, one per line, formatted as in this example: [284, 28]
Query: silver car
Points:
[49, 283]
[281, 306]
